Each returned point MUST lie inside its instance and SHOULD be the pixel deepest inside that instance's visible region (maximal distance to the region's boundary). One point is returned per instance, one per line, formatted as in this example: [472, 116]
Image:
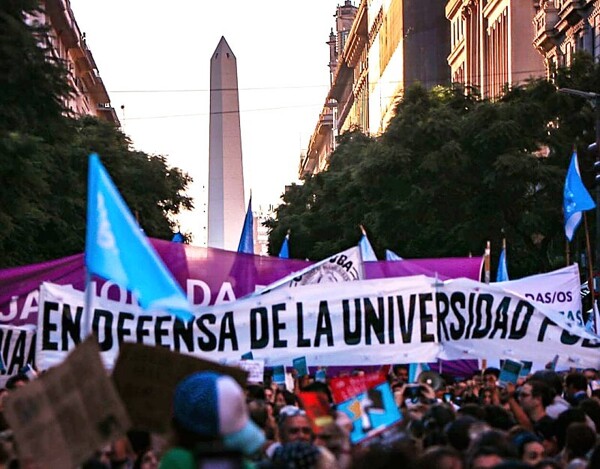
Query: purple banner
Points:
[208, 276]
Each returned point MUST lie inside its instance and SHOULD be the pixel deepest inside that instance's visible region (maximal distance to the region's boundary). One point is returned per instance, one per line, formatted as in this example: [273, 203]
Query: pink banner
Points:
[207, 275]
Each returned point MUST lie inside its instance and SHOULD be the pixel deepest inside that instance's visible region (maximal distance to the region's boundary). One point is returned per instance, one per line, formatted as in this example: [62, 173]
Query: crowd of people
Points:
[547, 420]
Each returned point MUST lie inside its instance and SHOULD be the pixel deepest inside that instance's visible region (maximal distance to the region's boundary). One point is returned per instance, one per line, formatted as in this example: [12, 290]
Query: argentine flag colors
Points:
[116, 249]
[576, 199]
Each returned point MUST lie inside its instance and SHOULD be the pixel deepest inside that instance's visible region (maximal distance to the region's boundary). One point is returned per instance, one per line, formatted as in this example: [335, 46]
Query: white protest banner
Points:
[350, 323]
[365, 322]
[344, 266]
[559, 289]
[17, 349]
[477, 320]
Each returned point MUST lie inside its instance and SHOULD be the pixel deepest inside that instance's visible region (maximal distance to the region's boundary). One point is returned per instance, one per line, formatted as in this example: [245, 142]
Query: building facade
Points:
[68, 43]
[378, 49]
[564, 27]
[491, 44]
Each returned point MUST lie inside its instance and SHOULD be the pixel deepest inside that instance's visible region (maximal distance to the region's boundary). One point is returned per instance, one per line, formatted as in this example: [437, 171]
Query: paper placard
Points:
[279, 374]
[146, 377]
[255, 370]
[300, 366]
[61, 418]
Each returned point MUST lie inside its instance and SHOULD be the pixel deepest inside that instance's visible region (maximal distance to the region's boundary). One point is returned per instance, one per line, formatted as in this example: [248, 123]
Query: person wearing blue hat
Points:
[211, 424]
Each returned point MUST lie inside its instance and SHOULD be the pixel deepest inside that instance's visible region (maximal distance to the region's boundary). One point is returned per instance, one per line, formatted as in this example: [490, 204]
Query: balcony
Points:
[545, 27]
[570, 10]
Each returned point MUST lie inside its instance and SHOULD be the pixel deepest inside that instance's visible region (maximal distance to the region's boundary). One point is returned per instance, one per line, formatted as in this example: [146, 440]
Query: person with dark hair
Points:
[533, 398]
[435, 419]
[261, 413]
[576, 386]
[529, 447]
[591, 407]
[440, 457]
[498, 417]
[563, 421]
[549, 464]
[402, 453]
[16, 381]
[579, 441]
[553, 379]
[458, 432]
[490, 376]
[317, 386]
[401, 373]
[255, 391]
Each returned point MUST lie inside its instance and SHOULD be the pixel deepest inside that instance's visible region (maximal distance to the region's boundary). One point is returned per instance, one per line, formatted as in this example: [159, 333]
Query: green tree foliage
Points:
[451, 172]
[44, 152]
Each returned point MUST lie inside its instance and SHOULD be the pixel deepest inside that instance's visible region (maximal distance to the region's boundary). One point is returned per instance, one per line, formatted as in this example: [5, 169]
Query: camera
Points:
[412, 393]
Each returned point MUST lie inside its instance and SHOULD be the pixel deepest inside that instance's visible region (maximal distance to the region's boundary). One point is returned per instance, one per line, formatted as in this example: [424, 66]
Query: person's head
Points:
[579, 441]
[534, 397]
[440, 457]
[317, 386]
[591, 407]
[261, 413]
[490, 376]
[566, 418]
[549, 464]
[255, 391]
[146, 460]
[211, 408]
[283, 398]
[485, 457]
[297, 455]
[529, 447]
[401, 372]
[551, 378]
[575, 383]
[458, 432]
[294, 425]
[590, 374]
[332, 437]
[269, 395]
[498, 417]
[16, 381]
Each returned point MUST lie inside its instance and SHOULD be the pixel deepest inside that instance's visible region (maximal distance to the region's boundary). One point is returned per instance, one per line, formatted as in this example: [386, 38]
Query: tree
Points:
[44, 152]
[450, 172]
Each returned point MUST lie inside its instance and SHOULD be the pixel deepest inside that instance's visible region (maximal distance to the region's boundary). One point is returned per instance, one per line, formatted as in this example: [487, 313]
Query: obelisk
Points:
[226, 209]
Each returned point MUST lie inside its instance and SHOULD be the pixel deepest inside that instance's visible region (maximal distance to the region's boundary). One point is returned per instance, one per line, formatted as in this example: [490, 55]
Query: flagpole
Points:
[567, 253]
[87, 319]
[588, 248]
[487, 263]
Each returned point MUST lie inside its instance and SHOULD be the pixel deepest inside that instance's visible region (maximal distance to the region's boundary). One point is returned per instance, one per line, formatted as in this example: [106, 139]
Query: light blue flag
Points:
[366, 250]
[247, 238]
[576, 198]
[117, 250]
[392, 256]
[284, 252]
[502, 274]
[415, 369]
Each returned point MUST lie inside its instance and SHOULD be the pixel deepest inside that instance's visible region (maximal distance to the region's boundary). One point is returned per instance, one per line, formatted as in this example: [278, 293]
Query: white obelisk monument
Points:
[226, 209]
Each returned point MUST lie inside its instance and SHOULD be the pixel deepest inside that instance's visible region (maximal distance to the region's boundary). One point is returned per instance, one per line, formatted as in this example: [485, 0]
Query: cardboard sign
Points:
[369, 403]
[254, 368]
[146, 377]
[60, 419]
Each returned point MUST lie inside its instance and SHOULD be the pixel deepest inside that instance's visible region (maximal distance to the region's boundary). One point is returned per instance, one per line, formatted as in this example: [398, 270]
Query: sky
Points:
[155, 64]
